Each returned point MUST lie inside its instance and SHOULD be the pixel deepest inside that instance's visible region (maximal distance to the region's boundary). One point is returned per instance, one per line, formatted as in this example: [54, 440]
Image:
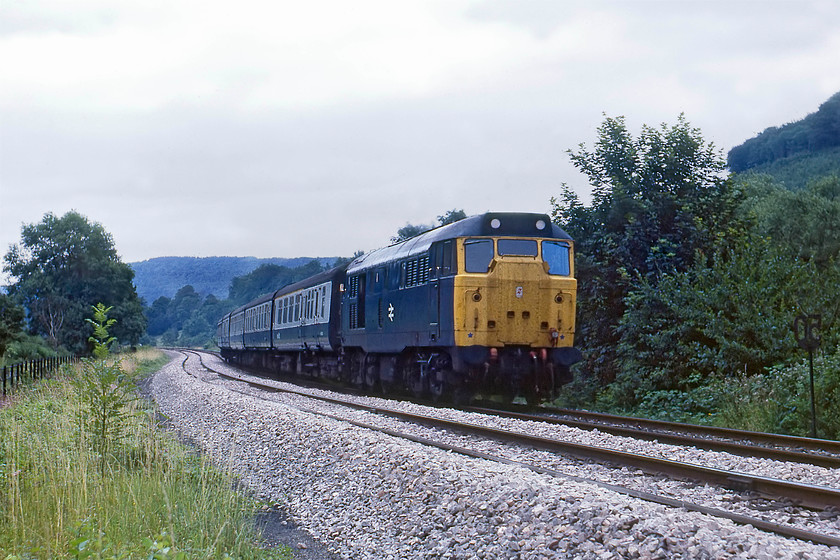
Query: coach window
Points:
[478, 253]
[556, 254]
[310, 304]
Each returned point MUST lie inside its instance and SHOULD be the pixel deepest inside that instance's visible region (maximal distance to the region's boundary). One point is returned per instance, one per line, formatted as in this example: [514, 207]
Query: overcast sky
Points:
[318, 128]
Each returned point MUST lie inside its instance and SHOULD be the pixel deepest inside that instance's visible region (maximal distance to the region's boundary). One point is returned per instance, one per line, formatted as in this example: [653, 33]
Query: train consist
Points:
[483, 305]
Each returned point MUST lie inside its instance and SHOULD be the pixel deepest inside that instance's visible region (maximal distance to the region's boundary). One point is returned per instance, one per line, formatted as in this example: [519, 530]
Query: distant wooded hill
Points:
[795, 152]
[164, 276]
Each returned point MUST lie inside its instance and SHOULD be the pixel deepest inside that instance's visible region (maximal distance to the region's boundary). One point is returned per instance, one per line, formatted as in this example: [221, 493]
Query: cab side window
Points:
[478, 253]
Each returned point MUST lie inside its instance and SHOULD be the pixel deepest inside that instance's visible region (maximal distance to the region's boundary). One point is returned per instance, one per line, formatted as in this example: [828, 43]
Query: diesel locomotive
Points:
[483, 305]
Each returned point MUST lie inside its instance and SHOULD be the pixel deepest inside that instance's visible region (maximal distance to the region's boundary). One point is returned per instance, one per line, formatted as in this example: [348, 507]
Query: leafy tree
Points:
[268, 278]
[158, 316]
[410, 230]
[804, 221]
[345, 260]
[660, 200]
[733, 316]
[63, 266]
[818, 131]
[184, 305]
[11, 322]
[451, 216]
[413, 230]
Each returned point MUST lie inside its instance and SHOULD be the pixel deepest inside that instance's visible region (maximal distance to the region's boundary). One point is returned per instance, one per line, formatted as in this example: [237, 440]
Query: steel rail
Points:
[777, 528]
[809, 495]
[826, 445]
[734, 447]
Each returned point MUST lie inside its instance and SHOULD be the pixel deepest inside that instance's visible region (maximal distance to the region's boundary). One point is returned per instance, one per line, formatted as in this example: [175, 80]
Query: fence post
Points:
[4, 381]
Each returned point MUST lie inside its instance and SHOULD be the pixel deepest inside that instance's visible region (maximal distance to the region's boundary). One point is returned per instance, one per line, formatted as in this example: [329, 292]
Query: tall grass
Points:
[152, 499]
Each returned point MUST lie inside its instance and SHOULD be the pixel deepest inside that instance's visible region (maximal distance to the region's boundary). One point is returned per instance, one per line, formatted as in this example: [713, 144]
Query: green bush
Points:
[780, 400]
[26, 348]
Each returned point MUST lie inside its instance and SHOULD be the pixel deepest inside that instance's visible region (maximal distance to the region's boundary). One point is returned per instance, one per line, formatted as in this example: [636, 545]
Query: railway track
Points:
[810, 495]
[824, 453]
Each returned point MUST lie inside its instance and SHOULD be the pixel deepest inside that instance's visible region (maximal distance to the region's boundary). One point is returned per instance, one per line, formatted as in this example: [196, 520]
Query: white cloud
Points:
[168, 120]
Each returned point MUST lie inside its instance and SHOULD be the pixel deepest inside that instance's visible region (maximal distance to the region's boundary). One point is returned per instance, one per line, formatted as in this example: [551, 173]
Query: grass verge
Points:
[153, 499]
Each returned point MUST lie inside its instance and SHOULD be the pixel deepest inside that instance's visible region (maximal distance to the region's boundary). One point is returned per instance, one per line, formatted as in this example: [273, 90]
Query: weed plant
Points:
[777, 401]
[149, 498]
[780, 400]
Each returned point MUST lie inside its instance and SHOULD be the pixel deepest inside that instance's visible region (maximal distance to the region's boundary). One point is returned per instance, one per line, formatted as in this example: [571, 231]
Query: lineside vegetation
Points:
[67, 494]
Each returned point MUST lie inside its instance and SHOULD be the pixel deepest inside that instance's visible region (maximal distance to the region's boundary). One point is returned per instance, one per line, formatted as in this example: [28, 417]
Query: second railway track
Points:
[824, 453]
[811, 495]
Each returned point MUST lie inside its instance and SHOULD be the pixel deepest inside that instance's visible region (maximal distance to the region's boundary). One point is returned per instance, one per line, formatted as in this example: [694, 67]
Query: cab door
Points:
[439, 264]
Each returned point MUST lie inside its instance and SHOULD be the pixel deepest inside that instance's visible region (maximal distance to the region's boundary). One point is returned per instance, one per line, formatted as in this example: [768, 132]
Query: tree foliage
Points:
[101, 338]
[413, 230]
[733, 316]
[805, 221]
[11, 322]
[61, 267]
[796, 172]
[188, 319]
[688, 278]
[268, 278]
[815, 132]
[660, 200]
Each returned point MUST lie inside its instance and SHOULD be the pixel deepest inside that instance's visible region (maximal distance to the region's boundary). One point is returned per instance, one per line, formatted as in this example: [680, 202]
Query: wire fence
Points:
[16, 374]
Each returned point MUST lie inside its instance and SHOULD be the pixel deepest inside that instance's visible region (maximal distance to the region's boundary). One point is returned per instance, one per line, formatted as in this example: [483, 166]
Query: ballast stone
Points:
[368, 495]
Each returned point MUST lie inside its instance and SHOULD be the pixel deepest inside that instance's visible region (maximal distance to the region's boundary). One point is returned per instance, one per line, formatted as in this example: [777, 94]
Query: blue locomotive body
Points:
[485, 304]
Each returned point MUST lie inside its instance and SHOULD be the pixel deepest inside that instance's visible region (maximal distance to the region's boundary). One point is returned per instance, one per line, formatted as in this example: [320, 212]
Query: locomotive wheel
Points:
[437, 385]
[416, 384]
[533, 396]
[414, 381]
[356, 362]
[371, 373]
[441, 377]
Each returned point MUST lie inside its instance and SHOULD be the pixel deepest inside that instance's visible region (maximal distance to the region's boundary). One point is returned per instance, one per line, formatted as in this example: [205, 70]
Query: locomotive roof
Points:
[489, 224]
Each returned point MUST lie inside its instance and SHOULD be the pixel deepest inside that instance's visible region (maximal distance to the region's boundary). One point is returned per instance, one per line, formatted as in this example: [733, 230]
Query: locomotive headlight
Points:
[558, 298]
[495, 223]
[540, 225]
[477, 296]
